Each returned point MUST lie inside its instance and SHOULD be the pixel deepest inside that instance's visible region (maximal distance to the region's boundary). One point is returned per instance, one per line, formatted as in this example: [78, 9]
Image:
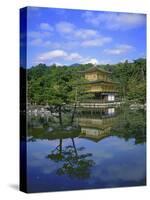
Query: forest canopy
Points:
[56, 85]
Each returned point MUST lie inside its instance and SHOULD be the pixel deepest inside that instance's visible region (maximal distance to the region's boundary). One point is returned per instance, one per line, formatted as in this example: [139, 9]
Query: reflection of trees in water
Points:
[45, 120]
[74, 163]
[126, 124]
[41, 121]
[131, 124]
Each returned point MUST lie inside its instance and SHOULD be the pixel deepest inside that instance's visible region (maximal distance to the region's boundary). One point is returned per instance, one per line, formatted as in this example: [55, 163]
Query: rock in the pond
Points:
[137, 106]
[50, 129]
[68, 128]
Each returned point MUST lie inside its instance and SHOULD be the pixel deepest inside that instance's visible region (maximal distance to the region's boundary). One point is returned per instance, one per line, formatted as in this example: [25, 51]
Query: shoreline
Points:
[41, 109]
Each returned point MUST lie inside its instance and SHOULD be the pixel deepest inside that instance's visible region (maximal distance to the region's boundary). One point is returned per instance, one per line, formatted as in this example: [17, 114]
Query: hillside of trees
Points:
[56, 85]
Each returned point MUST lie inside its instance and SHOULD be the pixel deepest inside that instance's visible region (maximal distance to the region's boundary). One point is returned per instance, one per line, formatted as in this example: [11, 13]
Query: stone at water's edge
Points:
[137, 106]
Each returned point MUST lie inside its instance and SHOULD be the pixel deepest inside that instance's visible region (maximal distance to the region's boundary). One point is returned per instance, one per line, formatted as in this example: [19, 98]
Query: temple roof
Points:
[99, 81]
[95, 68]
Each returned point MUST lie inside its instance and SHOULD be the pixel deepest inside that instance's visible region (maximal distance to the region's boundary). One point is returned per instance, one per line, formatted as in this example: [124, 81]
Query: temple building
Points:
[99, 85]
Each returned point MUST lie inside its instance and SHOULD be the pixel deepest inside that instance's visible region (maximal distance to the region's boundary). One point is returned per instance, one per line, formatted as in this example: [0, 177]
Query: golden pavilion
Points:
[98, 83]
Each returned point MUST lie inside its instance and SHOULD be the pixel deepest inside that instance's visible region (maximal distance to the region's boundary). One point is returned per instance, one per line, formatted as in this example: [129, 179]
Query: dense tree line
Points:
[131, 78]
[56, 85]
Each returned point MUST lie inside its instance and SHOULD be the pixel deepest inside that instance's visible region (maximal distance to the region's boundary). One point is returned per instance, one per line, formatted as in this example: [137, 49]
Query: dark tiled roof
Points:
[99, 81]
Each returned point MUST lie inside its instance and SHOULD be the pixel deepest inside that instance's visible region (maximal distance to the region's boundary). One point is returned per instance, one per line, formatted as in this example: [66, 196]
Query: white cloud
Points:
[84, 37]
[59, 54]
[91, 17]
[38, 34]
[67, 45]
[62, 56]
[85, 33]
[115, 21]
[74, 56]
[39, 42]
[52, 55]
[65, 27]
[72, 30]
[33, 34]
[36, 42]
[46, 27]
[41, 36]
[73, 36]
[96, 42]
[124, 21]
[92, 61]
[95, 61]
[120, 49]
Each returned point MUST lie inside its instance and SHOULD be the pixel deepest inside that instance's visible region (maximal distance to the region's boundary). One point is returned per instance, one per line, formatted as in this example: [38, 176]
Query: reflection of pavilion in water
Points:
[98, 125]
[91, 124]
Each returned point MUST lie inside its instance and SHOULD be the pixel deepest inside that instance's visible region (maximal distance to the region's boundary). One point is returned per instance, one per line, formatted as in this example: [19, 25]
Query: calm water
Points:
[101, 149]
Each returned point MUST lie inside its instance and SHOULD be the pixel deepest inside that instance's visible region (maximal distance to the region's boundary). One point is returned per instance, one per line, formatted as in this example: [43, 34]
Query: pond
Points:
[102, 148]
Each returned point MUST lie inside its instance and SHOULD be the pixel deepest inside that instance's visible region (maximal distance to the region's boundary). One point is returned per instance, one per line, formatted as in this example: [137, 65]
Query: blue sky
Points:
[64, 36]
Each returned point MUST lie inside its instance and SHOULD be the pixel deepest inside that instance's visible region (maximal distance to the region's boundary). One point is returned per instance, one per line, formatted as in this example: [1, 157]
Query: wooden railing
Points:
[98, 101]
